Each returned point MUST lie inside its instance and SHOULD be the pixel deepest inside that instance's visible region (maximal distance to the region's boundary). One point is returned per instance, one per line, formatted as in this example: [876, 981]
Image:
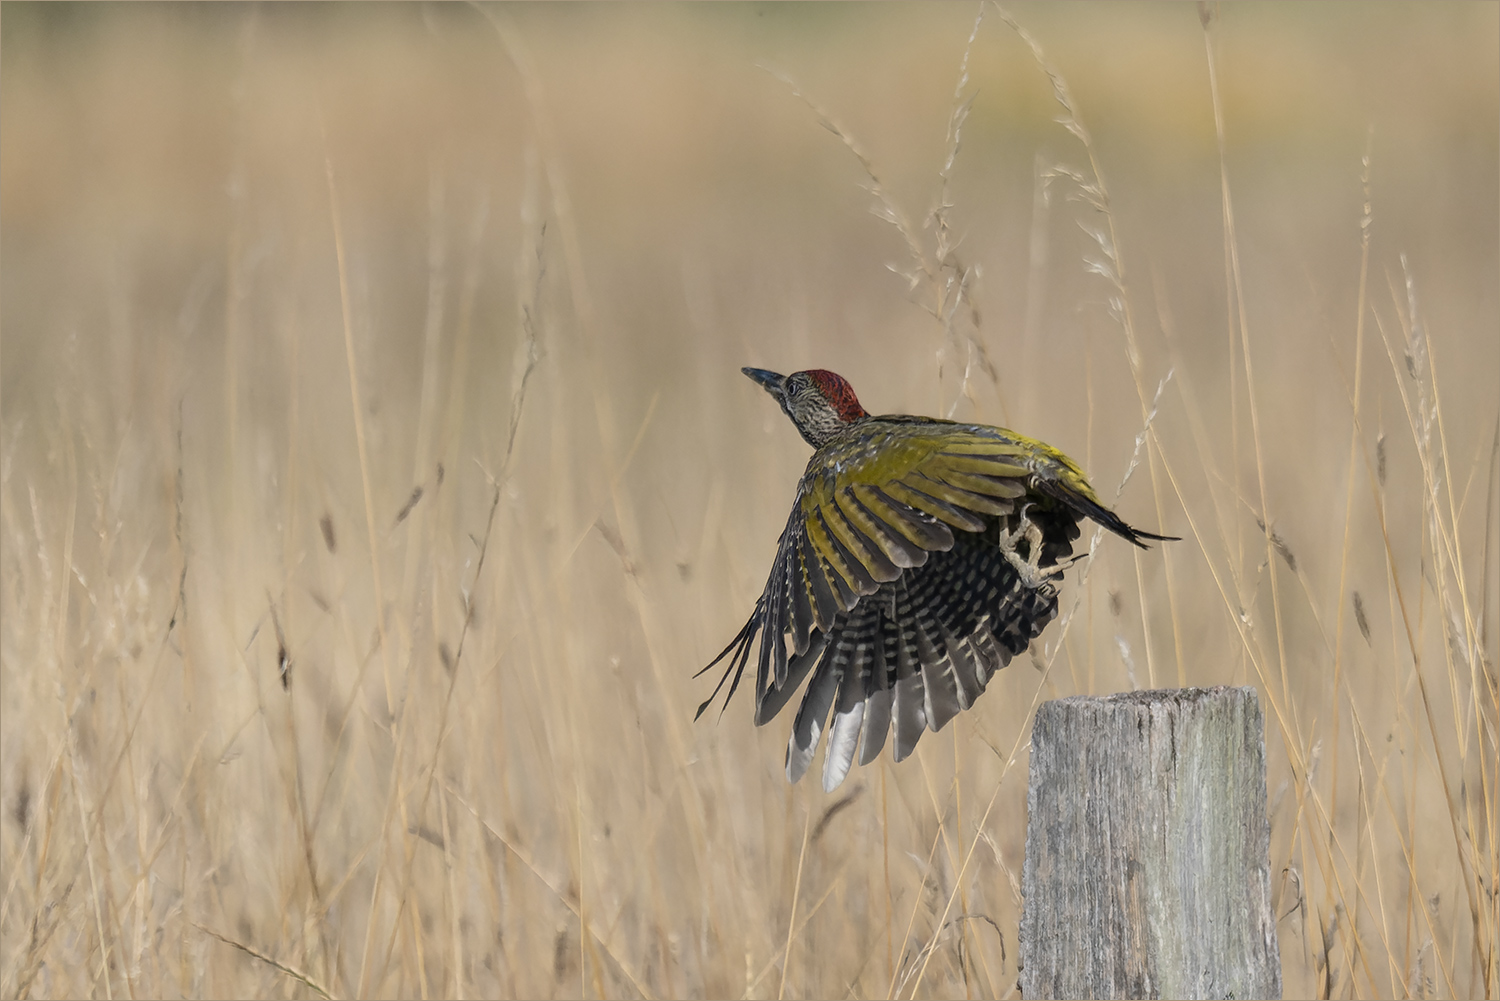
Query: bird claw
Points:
[1031, 572]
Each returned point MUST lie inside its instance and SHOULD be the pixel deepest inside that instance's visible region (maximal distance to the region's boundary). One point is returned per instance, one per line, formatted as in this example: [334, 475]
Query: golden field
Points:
[377, 472]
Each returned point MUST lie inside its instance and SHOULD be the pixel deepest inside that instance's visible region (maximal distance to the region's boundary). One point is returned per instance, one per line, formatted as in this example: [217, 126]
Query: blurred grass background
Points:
[563, 230]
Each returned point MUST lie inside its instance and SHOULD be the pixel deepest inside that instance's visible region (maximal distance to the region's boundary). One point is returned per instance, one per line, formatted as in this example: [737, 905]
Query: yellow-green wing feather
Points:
[876, 503]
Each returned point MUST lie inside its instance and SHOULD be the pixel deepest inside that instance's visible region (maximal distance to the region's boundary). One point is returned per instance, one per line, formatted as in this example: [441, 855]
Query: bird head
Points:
[821, 403]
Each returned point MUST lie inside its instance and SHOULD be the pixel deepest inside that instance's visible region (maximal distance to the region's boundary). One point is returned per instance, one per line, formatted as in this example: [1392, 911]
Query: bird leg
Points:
[1029, 568]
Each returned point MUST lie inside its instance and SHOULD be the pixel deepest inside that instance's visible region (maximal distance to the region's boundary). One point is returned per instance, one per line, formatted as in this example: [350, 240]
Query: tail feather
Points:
[1091, 508]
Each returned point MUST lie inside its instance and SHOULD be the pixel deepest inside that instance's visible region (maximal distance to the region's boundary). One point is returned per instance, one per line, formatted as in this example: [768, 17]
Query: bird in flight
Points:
[919, 558]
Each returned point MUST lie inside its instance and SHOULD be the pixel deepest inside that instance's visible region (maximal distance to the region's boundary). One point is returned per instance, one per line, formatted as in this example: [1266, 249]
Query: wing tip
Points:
[740, 648]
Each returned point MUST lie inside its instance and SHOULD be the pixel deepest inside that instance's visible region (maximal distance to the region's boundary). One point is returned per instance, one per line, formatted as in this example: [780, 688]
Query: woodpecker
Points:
[919, 558]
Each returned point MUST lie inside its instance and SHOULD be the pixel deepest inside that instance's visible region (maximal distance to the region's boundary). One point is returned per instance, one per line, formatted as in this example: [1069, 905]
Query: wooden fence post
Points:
[1147, 868]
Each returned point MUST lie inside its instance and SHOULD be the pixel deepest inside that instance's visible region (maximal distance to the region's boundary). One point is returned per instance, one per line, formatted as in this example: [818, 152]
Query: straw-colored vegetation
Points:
[377, 471]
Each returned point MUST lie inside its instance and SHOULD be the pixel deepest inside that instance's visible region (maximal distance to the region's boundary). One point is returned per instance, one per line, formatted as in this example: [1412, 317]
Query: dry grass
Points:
[376, 472]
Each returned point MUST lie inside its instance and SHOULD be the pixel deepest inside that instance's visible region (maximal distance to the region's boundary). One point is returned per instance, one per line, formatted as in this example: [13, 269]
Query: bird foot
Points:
[1032, 574]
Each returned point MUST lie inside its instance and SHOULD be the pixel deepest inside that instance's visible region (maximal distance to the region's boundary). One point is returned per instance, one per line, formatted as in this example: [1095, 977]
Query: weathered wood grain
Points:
[1147, 868]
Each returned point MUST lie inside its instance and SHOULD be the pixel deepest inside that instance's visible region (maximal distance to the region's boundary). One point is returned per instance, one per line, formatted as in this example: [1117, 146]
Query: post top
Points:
[1157, 696]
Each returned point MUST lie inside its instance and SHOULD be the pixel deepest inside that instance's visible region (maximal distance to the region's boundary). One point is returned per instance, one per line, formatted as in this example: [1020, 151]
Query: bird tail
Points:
[1085, 503]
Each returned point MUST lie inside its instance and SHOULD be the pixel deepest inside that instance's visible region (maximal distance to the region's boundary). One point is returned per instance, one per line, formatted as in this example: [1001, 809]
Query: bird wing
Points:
[910, 657]
[871, 505]
[875, 504]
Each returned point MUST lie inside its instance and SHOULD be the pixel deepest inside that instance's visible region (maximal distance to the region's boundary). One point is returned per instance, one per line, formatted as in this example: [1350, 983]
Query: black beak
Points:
[769, 381]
